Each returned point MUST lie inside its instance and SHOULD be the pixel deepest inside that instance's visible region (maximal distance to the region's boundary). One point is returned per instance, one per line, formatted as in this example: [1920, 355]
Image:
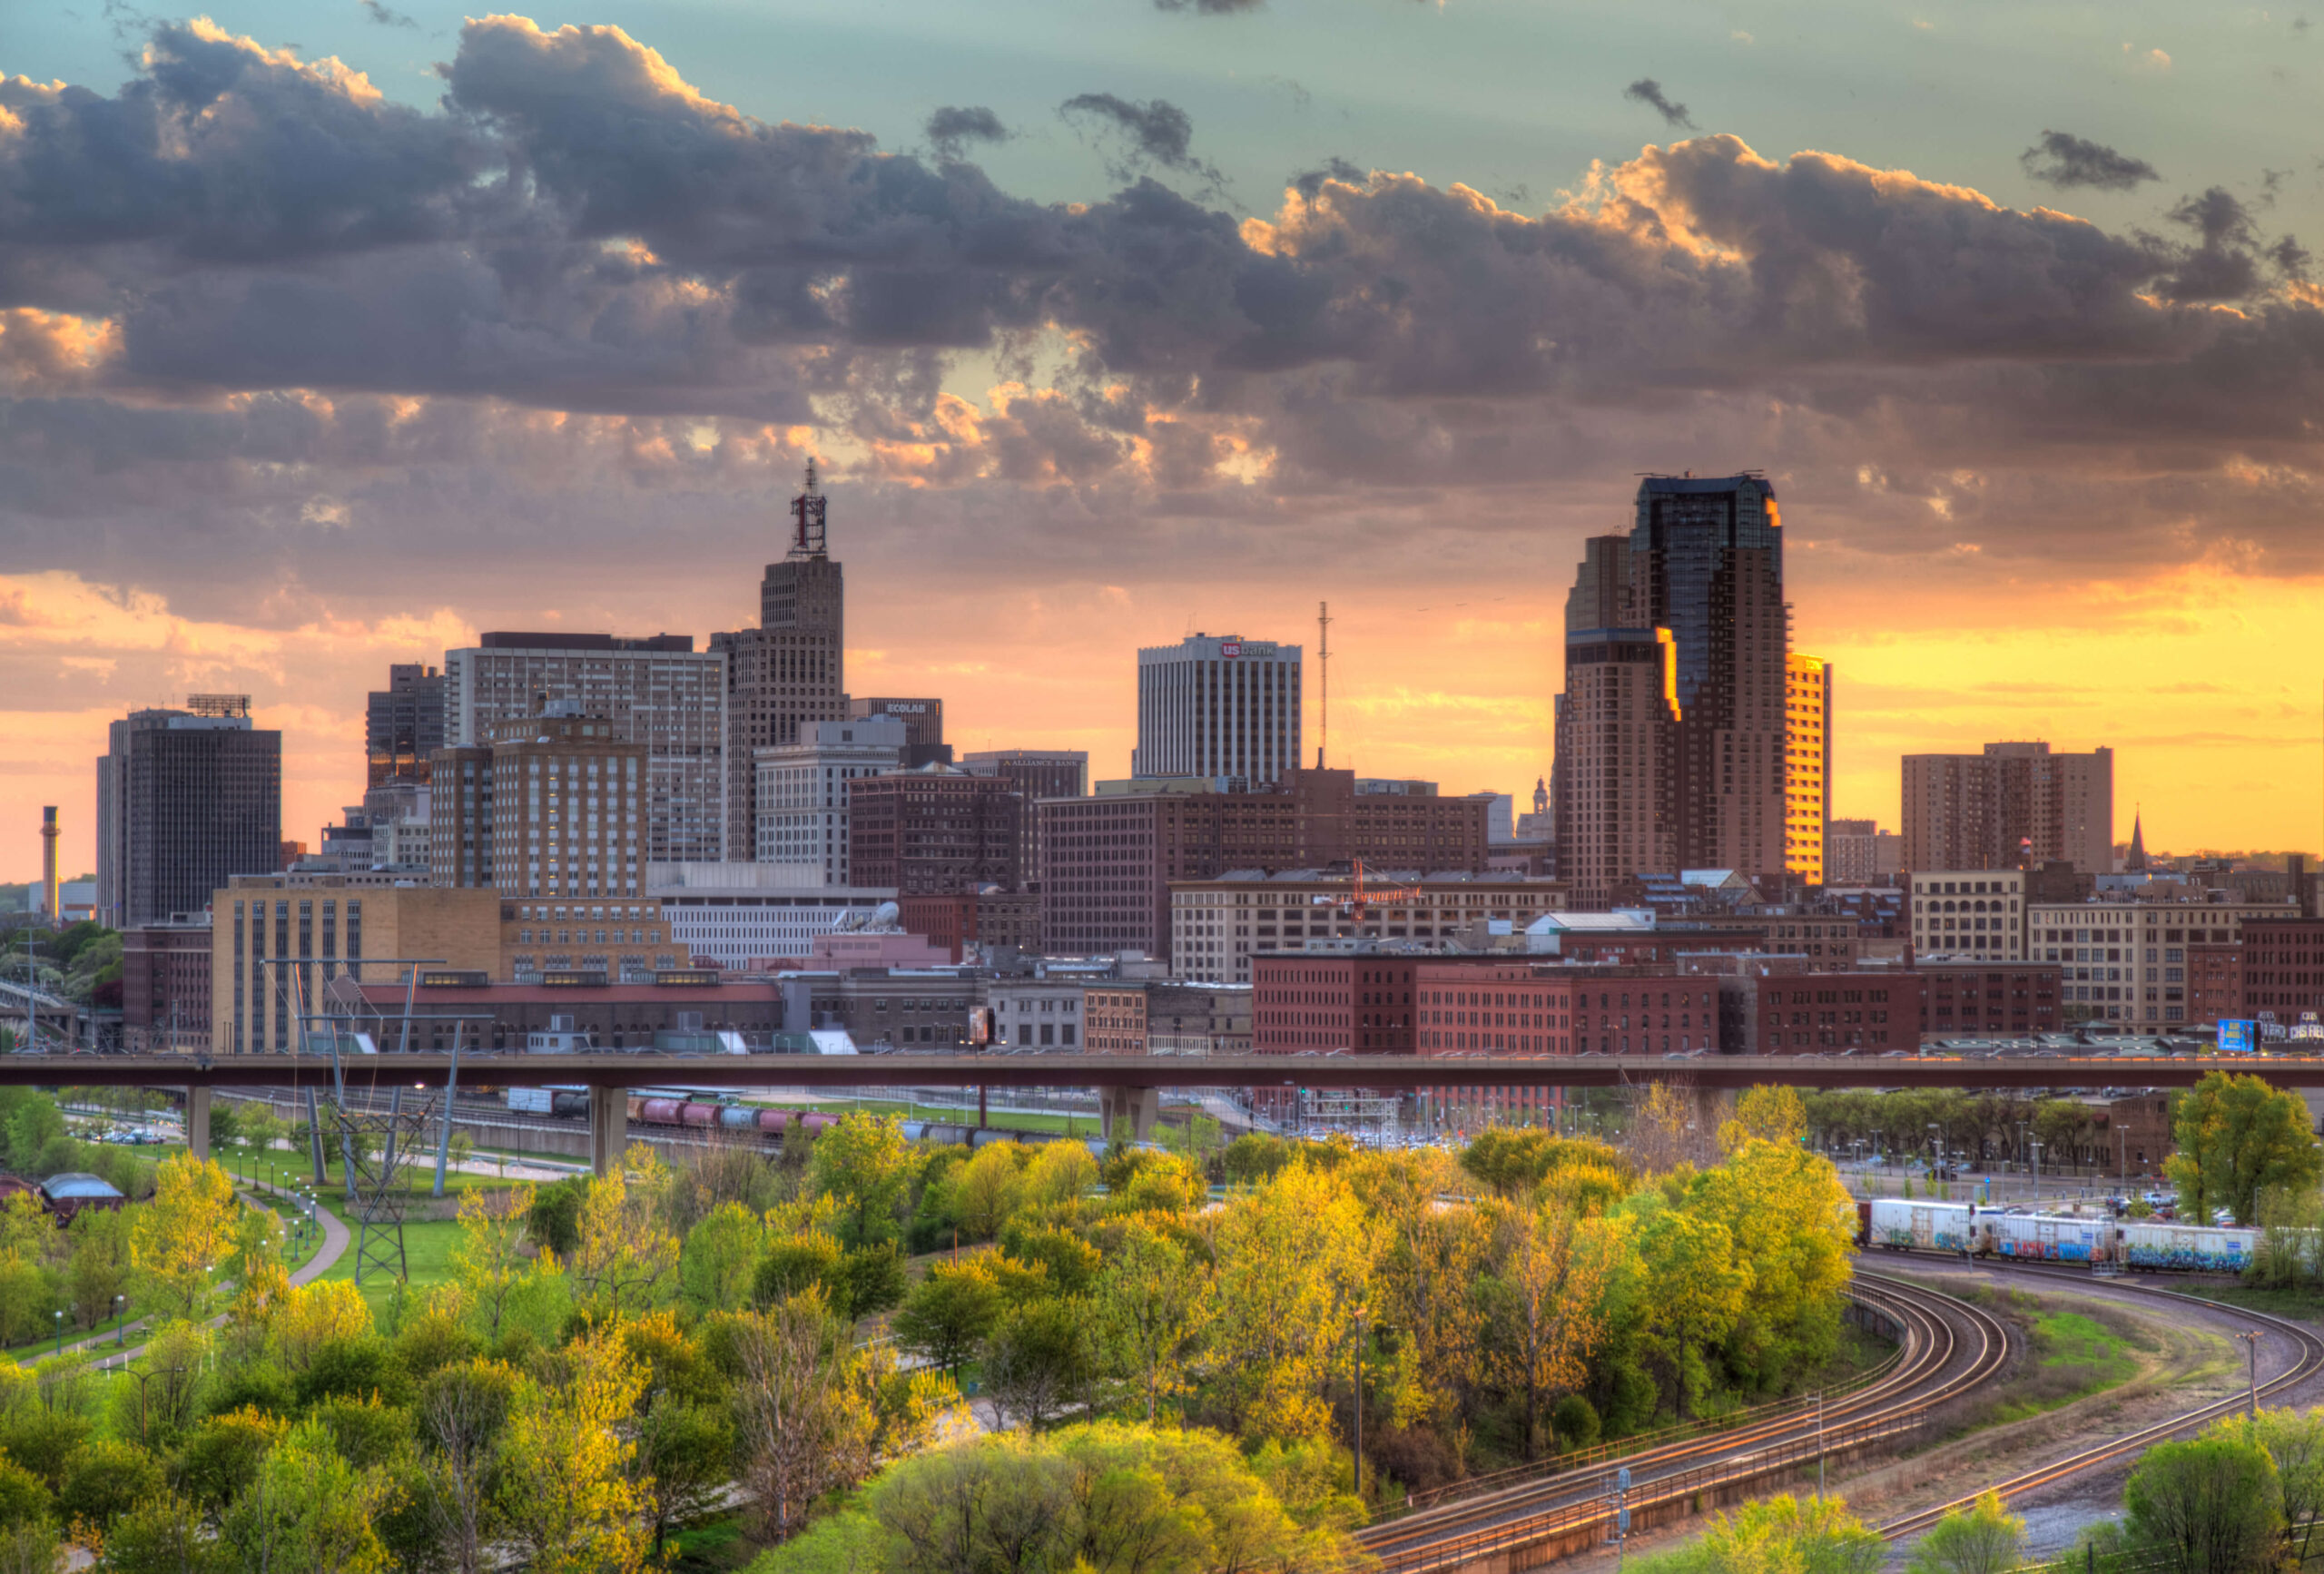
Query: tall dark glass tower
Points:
[1671, 729]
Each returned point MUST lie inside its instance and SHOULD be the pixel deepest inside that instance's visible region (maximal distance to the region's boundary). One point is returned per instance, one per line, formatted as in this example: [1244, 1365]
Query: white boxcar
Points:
[2195, 1248]
[1916, 1226]
[2049, 1237]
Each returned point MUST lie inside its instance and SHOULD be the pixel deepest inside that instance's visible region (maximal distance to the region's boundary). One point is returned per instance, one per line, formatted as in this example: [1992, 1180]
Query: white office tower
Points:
[802, 792]
[1218, 706]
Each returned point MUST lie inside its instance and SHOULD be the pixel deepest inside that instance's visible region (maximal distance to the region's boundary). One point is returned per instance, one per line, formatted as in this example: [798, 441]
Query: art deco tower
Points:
[789, 669]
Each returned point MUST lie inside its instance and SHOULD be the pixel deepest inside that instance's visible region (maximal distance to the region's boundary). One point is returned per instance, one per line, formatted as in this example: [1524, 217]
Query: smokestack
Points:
[51, 898]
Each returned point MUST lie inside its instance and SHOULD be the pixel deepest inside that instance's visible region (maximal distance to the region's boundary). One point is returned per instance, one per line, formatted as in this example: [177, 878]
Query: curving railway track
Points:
[2308, 1358]
[1946, 1347]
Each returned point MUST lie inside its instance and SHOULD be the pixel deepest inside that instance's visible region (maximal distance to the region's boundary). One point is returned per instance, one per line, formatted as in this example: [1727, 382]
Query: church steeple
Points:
[2135, 862]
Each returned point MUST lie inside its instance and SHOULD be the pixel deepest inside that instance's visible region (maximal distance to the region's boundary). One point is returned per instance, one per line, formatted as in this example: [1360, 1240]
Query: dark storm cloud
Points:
[1156, 135]
[951, 129]
[222, 153]
[580, 231]
[1648, 92]
[2067, 162]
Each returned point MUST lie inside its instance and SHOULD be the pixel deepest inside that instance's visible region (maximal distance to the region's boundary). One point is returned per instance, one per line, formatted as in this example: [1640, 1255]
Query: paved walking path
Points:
[336, 1240]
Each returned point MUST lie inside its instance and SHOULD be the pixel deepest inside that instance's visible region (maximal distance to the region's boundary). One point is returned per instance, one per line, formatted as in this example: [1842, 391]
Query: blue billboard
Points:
[2238, 1035]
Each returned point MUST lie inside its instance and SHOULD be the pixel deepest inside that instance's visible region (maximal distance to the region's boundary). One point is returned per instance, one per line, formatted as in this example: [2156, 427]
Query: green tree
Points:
[948, 1314]
[864, 1165]
[564, 1487]
[1108, 1498]
[97, 1269]
[556, 1214]
[1694, 1285]
[682, 1465]
[720, 1254]
[803, 1427]
[2295, 1442]
[104, 1479]
[1769, 1113]
[794, 1264]
[462, 1410]
[1551, 1304]
[2238, 1137]
[309, 1510]
[2213, 1505]
[1295, 1263]
[1780, 1535]
[1983, 1538]
[181, 1239]
[164, 1534]
[1151, 1303]
[1037, 1359]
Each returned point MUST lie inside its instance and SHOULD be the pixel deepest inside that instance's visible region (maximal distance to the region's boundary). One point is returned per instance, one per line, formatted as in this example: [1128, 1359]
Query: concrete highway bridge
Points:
[1128, 1085]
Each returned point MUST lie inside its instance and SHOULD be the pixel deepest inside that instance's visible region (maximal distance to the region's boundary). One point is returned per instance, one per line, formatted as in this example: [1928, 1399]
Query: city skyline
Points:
[1987, 542]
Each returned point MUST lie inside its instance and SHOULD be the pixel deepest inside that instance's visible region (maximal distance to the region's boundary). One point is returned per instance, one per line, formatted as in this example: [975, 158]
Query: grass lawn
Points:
[2284, 1300]
[427, 1258]
[287, 1170]
[952, 1115]
[2075, 1356]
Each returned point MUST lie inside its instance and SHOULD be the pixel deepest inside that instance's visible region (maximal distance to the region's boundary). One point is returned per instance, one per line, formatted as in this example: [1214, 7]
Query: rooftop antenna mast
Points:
[1324, 667]
[807, 518]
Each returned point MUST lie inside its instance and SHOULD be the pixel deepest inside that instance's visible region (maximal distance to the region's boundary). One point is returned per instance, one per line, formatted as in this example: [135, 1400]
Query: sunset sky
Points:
[331, 334]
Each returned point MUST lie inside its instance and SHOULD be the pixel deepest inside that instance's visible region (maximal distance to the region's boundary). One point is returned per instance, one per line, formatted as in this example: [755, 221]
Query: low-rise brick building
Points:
[165, 978]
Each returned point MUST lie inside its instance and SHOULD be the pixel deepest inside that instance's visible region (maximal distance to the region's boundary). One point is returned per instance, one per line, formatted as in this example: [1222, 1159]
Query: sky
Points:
[331, 335]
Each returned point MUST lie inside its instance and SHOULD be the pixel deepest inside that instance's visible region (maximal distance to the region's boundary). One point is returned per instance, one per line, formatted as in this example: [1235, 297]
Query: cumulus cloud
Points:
[951, 129]
[1307, 182]
[1648, 92]
[582, 293]
[2067, 162]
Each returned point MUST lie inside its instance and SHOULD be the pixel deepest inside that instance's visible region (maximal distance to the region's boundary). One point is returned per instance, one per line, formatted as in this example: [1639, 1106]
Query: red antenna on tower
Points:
[807, 518]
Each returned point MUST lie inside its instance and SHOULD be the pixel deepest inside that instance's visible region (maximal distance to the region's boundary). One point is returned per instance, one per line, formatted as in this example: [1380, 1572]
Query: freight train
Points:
[1964, 1229]
[668, 1109]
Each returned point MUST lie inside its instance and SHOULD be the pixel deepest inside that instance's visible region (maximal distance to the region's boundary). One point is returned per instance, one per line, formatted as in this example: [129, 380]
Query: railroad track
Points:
[1946, 1348]
[2304, 1341]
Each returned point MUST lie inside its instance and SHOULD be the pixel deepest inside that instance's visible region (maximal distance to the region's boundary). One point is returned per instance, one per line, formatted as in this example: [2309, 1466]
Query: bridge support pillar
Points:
[1127, 1112]
[197, 1122]
[609, 1127]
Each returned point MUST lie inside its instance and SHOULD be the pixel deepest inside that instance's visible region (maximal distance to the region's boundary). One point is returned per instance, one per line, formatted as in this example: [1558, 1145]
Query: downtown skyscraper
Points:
[1670, 731]
[792, 668]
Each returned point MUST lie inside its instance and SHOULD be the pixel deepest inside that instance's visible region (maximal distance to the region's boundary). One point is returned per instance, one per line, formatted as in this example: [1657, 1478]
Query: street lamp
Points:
[2251, 1346]
[121, 1322]
[60, 1331]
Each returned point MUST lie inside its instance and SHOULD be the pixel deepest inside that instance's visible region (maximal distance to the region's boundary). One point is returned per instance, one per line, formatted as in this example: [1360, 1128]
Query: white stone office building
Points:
[1218, 706]
[1969, 914]
[1037, 1014]
[802, 790]
[1216, 926]
[2126, 961]
[734, 914]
